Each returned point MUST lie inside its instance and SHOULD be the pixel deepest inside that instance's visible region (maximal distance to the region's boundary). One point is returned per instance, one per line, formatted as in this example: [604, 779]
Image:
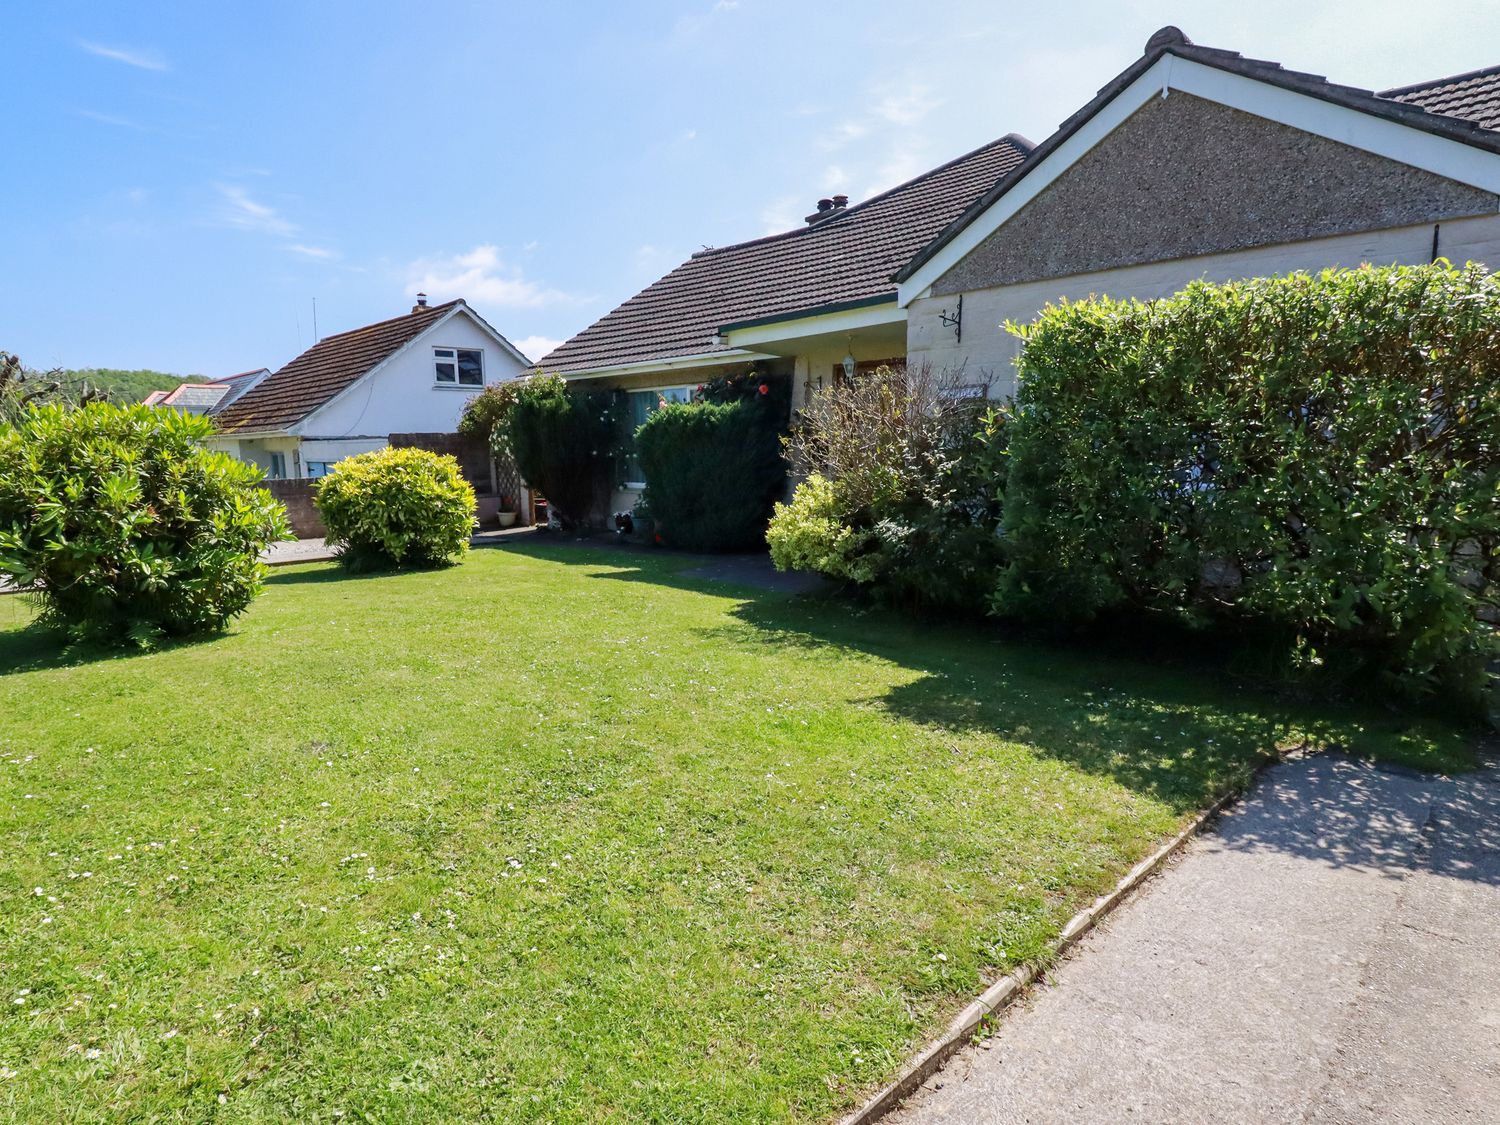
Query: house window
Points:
[458, 367]
[642, 405]
[317, 469]
[278, 466]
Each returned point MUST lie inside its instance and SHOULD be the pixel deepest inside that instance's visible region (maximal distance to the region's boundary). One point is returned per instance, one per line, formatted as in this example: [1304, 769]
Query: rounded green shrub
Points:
[396, 507]
[813, 532]
[125, 526]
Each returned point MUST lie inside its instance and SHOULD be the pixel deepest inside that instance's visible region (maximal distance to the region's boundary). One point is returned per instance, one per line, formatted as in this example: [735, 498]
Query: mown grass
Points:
[558, 835]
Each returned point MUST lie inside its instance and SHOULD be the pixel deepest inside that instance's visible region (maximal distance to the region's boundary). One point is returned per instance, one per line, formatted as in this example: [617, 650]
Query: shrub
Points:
[565, 443]
[397, 506]
[714, 469]
[486, 412]
[813, 532]
[1316, 455]
[902, 495]
[125, 526]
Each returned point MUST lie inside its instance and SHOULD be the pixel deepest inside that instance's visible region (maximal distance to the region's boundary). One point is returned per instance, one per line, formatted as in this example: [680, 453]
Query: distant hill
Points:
[123, 386]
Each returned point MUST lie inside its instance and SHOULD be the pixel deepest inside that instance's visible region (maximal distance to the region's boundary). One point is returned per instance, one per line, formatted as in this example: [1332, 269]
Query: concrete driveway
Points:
[1331, 953]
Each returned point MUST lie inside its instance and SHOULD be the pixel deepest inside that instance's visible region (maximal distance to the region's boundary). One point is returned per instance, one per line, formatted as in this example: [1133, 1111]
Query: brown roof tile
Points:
[321, 372]
[850, 257]
[1470, 97]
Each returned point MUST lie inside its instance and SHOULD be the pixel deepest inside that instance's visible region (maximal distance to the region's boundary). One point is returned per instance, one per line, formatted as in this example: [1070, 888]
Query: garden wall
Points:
[471, 453]
[297, 497]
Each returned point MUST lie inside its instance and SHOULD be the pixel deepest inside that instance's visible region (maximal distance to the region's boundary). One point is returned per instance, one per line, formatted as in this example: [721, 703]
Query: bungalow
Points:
[348, 393]
[1191, 163]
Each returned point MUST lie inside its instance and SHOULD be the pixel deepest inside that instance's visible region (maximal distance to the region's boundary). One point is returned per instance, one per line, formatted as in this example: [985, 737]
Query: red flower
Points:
[765, 389]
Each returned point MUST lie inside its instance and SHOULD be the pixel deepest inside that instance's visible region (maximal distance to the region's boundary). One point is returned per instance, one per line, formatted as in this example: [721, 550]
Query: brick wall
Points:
[472, 454]
[297, 497]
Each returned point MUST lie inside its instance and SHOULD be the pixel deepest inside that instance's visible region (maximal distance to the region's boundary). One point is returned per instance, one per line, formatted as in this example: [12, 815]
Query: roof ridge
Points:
[376, 324]
[1015, 140]
[1452, 79]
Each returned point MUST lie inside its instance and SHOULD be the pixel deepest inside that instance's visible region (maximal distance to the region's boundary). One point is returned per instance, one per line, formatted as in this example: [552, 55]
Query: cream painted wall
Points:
[989, 352]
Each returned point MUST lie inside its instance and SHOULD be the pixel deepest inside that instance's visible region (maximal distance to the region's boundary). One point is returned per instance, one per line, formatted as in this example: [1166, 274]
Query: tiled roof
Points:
[322, 371]
[850, 257]
[1471, 97]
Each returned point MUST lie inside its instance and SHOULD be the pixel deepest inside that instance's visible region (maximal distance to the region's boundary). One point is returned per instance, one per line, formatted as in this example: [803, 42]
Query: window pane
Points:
[443, 353]
[446, 373]
[470, 368]
[677, 394]
[641, 405]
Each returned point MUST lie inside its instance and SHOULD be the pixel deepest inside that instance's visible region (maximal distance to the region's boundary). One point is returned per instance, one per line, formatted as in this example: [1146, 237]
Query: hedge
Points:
[714, 469]
[565, 442]
[1319, 456]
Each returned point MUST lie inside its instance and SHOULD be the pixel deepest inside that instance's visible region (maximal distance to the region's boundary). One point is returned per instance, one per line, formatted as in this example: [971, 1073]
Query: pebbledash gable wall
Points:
[1185, 177]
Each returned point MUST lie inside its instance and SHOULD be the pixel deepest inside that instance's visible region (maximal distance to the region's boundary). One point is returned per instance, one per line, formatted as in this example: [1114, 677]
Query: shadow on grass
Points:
[38, 648]
[1169, 715]
[326, 571]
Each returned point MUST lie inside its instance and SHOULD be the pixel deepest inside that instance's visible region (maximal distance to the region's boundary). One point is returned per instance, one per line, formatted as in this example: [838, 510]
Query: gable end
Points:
[1184, 176]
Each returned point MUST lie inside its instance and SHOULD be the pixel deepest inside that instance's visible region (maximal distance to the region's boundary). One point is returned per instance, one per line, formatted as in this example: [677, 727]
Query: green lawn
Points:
[558, 835]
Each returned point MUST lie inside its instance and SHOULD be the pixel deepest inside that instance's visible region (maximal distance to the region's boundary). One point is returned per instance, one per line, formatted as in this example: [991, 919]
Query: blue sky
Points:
[182, 180]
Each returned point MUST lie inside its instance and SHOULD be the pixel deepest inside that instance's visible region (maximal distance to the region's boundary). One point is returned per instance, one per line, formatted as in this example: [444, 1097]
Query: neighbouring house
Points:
[236, 385]
[206, 398]
[349, 393]
[1192, 163]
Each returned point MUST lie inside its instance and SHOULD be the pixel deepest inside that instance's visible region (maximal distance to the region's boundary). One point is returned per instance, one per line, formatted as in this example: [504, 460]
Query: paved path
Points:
[1330, 954]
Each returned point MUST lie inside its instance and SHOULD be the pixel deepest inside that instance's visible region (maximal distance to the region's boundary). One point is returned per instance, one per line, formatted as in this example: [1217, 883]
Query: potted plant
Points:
[507, 513]
[643, 523]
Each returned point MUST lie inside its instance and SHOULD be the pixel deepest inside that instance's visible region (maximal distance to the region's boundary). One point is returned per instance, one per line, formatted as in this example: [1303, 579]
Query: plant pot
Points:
[507, 519]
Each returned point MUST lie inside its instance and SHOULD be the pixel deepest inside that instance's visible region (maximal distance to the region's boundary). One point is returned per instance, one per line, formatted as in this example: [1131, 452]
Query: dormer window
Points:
[458, 367]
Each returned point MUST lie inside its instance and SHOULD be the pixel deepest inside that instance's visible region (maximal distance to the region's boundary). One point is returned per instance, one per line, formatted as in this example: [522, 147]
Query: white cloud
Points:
[534, 347]
[240, 210]
[783, 214]
[481, 277]
[899, 166]
[907, 106]
[320, 253]
[130, 56]
[726, 5]
[111, 119]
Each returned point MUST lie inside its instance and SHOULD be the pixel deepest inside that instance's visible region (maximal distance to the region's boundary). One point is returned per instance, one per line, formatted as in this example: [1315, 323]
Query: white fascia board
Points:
[1381, 136]
[1151, 83]
[486, 326]
[675, 363]
[849, 320]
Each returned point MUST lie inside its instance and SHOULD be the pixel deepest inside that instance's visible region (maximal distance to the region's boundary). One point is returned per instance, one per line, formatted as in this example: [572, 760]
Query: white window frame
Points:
[691, 388]
[453, 350]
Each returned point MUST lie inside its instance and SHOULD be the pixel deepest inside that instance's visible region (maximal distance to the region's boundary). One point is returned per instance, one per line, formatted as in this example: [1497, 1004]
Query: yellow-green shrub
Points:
[395, 507]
